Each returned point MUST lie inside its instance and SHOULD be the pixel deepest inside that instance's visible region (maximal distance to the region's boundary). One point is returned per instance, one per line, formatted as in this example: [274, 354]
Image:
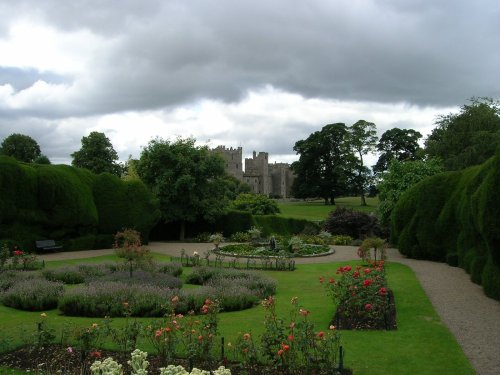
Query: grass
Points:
[421, 345]
[318, 211]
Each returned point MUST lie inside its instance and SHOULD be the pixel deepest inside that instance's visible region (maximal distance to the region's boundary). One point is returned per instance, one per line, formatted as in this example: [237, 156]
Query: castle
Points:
[263, 178]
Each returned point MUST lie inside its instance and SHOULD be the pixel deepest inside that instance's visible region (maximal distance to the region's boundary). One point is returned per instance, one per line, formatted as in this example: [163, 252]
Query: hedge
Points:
[453, 217]
[70, 205]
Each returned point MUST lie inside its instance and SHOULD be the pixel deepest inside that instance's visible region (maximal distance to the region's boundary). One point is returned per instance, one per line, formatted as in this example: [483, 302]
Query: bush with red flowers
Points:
[362, 297]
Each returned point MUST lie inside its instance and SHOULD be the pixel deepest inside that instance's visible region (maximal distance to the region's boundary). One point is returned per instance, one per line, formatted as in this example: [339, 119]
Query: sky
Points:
[254, 74]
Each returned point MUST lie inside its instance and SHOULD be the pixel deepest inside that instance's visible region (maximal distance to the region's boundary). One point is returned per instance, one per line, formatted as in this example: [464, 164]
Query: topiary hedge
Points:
[69, 204]
[453, 217]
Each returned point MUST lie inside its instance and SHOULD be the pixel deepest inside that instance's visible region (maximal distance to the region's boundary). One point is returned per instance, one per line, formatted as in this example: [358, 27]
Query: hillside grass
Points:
[318, 211]
[421, 344]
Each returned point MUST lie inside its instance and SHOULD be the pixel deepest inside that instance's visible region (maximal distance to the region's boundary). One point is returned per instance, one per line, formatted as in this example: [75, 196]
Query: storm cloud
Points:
[223, 70]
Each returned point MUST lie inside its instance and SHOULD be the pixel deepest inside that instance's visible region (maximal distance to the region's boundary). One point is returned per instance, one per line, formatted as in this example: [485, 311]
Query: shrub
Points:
[171, 268]
[452, 259]
[240, 237]
[27, 295]
[114, 299]
[163, 280]
[66, 275]
[477, 267]
[355, 224]
[256, 204]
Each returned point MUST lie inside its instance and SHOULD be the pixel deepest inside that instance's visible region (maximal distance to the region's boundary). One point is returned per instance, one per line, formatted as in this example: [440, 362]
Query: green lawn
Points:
[421, 345]
[317, 210]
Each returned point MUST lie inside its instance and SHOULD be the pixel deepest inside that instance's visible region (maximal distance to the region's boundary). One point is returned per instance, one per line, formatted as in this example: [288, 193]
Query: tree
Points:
[466, 138]
[42, 159]
[189, 181]
[399, 144]
[21, 147]
[400, 176]
[363, 139]
[325, 165]
[97, 155]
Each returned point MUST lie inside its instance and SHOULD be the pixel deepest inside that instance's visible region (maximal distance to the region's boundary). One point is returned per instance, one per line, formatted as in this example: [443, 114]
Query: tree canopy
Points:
[467, 138]
[256, 204]
[326, 163]
[97, 155]
[399, 144]
[189, 181]
[400, 176]
[21, 147]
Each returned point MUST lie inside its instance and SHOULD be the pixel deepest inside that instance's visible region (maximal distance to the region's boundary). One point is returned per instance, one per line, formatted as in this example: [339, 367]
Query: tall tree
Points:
[399, 144]
[189, 181]
[325, 165]
[21, 147]
[97, 155]
[466, 138]
[363, 139]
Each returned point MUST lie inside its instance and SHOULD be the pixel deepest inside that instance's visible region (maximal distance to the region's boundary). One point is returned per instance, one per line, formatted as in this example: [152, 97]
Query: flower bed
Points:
[362, 297]
[250, 250]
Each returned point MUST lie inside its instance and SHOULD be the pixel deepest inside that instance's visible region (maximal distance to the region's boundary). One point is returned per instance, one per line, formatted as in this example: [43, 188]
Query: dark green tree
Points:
[401, 176]
[97, 155]
[399, 144]
[189, 181]
[326, 164]
[467, 138]
[21, 147]
[42, 159]
[363, 139]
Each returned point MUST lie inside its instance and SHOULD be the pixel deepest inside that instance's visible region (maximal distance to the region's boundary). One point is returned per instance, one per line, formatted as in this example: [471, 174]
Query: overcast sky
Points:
[256, 74]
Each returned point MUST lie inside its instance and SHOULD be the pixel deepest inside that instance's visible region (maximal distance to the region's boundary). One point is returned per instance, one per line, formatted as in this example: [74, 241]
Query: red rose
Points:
[347, 268]
[367, 282]
[368, 306]
[382, 291]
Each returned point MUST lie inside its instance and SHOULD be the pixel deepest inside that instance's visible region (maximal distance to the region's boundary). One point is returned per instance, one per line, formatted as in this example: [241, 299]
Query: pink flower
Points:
[321, 279]
[382, 291]
[69, 349]
[320, 334]
[367, 270]
[347, 268]
[367, 282]
[368, 306]
[331, 280]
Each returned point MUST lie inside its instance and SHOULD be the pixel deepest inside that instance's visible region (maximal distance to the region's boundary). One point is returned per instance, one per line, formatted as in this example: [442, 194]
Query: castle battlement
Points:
[263, 178]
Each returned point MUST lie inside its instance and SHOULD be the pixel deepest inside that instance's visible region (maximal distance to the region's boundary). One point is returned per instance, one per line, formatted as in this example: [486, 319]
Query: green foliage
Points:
[65, 203]
[399, 178]
[189, 181]
[467, 138]
[42, 159]
[453, 213]
[30, 296]
[397, 144]
[21, 147]
[97, 155]
[257, 204]
[326, 164]
[271, 224]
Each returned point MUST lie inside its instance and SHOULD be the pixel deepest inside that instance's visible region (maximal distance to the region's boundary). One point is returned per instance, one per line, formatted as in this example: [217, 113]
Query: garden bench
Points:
[47, 245]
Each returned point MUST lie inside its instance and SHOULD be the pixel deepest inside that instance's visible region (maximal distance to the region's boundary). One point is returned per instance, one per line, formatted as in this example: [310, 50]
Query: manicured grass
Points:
[317, 210]
[421, 345]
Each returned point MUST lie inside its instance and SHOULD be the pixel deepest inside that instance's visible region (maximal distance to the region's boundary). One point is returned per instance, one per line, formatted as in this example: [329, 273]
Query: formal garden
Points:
[260, 300]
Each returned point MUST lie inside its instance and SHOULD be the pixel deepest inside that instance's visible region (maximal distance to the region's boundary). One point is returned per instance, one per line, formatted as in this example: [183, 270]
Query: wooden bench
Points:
[47, 245]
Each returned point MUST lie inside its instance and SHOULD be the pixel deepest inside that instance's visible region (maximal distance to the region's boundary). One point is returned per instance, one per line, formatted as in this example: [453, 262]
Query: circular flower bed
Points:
[250, 250]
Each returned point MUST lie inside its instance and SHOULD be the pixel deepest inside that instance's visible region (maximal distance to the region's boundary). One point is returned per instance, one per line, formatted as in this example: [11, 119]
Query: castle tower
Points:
[233, 158]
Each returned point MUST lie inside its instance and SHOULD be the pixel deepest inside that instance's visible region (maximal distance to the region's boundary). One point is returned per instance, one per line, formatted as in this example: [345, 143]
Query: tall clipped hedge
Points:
[454, 215]
[69, 204]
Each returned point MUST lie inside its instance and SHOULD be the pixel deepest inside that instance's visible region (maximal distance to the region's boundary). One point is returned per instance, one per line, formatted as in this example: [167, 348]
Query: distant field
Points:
[317, 211]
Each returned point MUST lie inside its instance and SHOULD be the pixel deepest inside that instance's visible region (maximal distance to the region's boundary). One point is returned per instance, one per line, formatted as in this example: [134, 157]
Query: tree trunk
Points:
[326, 201]
[332, 201]
[363, 200]
[183, 231]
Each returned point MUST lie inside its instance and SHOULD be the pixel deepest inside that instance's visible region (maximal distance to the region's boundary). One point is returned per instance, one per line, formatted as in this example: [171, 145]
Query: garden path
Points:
[473, 318]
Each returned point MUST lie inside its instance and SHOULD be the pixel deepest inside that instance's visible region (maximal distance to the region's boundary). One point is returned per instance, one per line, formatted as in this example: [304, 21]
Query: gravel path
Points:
[473, 318]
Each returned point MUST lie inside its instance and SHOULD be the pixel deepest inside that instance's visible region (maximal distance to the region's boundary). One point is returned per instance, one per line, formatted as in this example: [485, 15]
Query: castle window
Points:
[236, 165]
